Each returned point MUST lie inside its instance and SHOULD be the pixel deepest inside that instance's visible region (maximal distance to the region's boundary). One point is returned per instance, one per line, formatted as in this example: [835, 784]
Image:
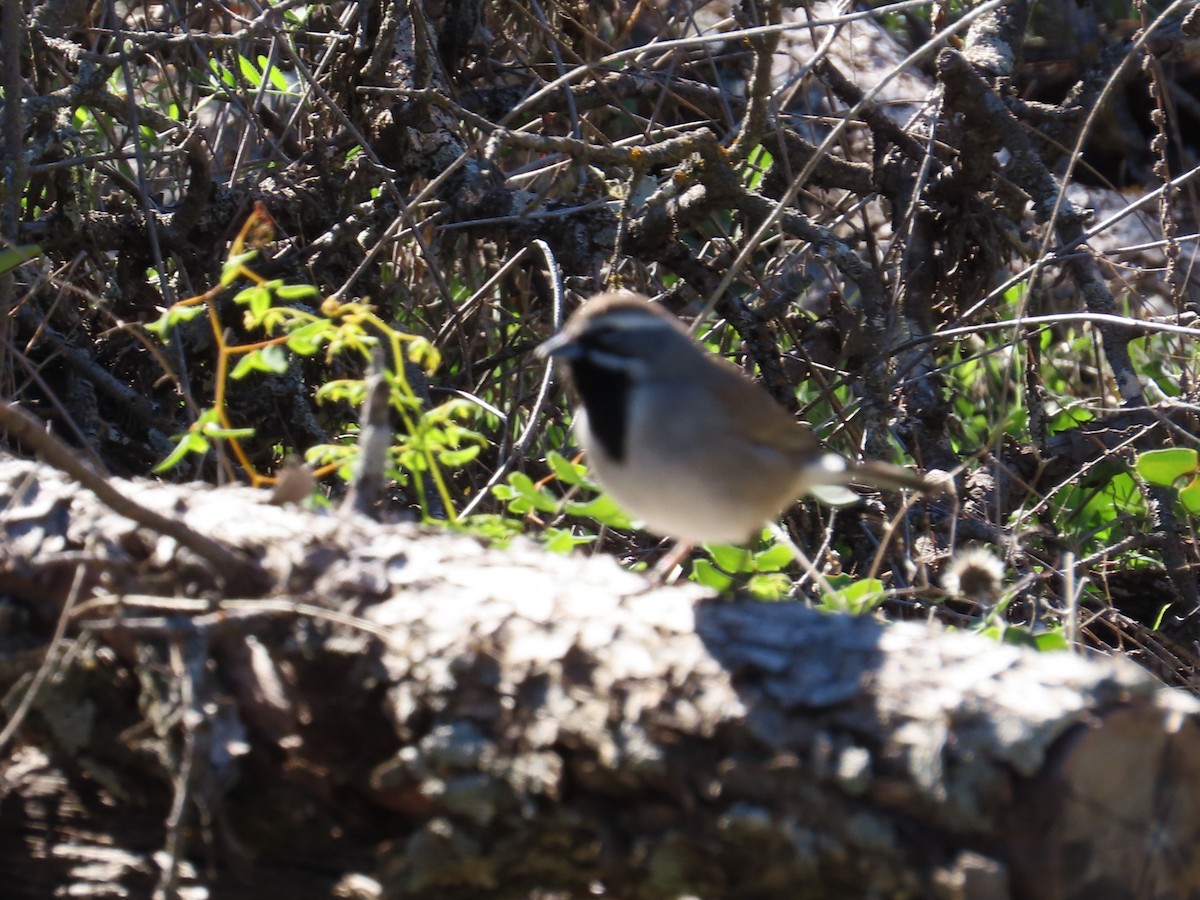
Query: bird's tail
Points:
[887, 477]
[834, 473]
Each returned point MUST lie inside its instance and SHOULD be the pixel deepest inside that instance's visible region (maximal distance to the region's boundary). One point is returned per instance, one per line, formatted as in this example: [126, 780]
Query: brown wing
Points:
[763, 421]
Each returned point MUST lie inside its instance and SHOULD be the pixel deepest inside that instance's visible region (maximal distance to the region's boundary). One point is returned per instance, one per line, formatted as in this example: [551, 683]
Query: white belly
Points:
[716, 489]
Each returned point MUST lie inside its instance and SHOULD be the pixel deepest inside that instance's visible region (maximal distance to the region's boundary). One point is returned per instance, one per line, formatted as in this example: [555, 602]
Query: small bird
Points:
[683, 439]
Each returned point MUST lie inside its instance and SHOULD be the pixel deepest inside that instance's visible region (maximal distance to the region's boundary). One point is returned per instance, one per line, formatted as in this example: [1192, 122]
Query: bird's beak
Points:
[561, 345]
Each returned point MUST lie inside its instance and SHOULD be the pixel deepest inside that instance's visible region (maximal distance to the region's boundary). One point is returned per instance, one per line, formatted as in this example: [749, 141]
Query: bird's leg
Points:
[670, 561]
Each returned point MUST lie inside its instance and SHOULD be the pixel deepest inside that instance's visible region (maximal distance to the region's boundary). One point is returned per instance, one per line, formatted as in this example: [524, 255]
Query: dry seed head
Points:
[974, 574]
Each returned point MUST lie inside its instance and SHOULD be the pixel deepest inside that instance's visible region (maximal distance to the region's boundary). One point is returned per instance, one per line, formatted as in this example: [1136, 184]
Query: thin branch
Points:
[49, 662]
[228, 565]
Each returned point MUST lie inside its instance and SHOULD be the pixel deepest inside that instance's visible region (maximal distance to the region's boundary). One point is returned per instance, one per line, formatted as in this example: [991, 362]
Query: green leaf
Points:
[444, 415]
[257, 297]
[603, 509]
[412, 460]
[1051, 641]
[161, 327]
[216, 431]
[12, 257]
[1070, 417]
[453, 459]
[771, 586]
[1165, 467]
[858, 598]
[172, 316]
[422, 353]
[249, 71]
[272, 360]
[730, 558]
[866, 589]
[705, 573]
[296, 291]
[773, 559]
[995, 632]
[757, 164]
[274, 74]
[530, 496]
[222, 73]
[499, 530]
[325, 454]
[521, 483]
[566, 471]
[231, 270]
[343, 390]
[1190, 498]
[246, 365]
[1017, 635]
[839, 582]
[274, 357]
[192, 442]
[563, 540]
[307, 339]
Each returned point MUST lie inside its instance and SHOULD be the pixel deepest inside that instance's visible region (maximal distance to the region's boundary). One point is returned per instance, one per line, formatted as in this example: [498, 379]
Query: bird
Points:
[682, 439]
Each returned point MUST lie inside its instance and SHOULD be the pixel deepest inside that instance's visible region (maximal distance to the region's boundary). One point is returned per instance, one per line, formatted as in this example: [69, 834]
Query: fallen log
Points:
[407, 713]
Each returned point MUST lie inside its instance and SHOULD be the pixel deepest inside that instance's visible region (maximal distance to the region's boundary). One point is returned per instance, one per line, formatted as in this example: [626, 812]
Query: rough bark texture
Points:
[486, 723]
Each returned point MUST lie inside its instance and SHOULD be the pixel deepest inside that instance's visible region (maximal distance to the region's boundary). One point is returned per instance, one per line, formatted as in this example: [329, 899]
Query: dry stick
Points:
[374, 441]
[543, 391]
[235, 616]
[809, 567]
[692, 41]
[754, 121]
[49, 661]
[188, 667]
[847, 263]
[28, 429]
[976, 99]
[12, 28]
[783, 203]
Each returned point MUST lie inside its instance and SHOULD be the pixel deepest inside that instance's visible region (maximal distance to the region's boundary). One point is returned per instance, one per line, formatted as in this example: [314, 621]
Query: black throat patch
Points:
[604, 392]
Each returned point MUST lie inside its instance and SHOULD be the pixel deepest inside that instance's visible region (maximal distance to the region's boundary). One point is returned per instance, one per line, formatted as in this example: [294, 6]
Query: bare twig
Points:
[49, 662]
[228, 566]
[374, 439]
[535, 414]
[188, 655]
